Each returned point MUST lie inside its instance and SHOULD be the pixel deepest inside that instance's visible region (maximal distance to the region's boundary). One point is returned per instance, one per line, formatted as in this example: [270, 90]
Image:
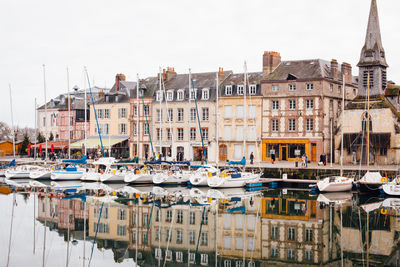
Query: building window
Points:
[239, 112]
[169, 216]
[169, 134]
[192, 257]
[308, 255]
[240, 89]
[309, 235]
[227, 132]
[158, 253]
[180, 134]
[179, 238]
[339, 89]
[159, 115]
[181, 95]
[159, 95]
[292, 87]
[158, 215]
[275, 105]
[228, 112]
[193, 94]
[274, 252]
[135, 109]
[170, 95]
[205, 94]
[331, 105]
[192, 134]
[310, 103]
[291, 234]
[252, 89]
[383, 151]
[159, 134]
[168, 254]
[100, 114]
[309, 124]
[292, 104]
[371, 78]
[122, 128]
[250, 243]
[170, 115]
[122, 113]
[252, 112]
[192, 217]
[331, 87]
[167, 235]
[179, 217]
[275, 88]
[146, 129]
[274, 232]
[180, 114]
[107, 114]
[205, 218]
[291, 254]
[239, 133]
[121, 214]
[203, 259]
[227, 263]
[274, 126]
[71, 134]
[179, 256]
[204, 239]
[292, 125]
[310, 86]
[205, 114]
[146, 110]
[228, 90]
[193, 114]
[134, 127]
[192, 238]
[121, 230]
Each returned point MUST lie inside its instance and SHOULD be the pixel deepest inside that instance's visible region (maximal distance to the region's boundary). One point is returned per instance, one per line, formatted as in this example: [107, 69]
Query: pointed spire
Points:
[373, 52]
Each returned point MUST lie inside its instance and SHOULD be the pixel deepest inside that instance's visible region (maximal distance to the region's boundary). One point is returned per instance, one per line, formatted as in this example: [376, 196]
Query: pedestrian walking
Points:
[306, 157]
[303, 160]
[146, 156]
[251, 158]
[273, 158]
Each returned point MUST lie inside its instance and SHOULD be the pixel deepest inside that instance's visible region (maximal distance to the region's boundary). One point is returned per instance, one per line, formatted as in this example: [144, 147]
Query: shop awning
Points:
[53, 144]
[94, 142]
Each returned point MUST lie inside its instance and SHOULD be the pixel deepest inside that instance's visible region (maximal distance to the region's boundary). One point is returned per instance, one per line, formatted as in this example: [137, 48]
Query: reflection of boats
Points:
[391, 203]
[20, 171]
[229, 193]
[371, 182]
[41, 173]
[200, 176]
[335, 184]
[175, 175]
[232, 178]
[336, 198]
[109, 174]
[142, 175]
[392, 188]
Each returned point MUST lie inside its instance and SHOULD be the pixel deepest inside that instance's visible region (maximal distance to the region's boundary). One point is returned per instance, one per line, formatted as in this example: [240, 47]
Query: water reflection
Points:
[166, 227]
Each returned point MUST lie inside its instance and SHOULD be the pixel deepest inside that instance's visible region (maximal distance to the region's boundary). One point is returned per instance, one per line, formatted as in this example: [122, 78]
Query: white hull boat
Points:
[232, 178]
[175, 175]
[335, 197]
[71, 172]
[43, 173]
[109, 174]
[371, 182]
[2, 172]
[335, 184]
[200, 176]
[140, 176]
[392, 188]
[20, 171]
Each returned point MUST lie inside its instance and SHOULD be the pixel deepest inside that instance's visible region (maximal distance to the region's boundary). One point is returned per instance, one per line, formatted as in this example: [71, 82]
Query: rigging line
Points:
[255, 233]
[95, 113]
[201, 225]
[147, 123]
[169, 120]
[95, 235]
[198, 120]
[11, 228]
[362, 243]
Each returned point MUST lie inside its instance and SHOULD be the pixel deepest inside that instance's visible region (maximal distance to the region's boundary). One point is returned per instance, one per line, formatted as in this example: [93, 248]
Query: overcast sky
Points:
[133, 36]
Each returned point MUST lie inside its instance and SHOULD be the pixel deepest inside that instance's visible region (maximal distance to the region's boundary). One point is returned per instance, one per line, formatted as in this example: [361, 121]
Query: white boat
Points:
[71, 172]
[392, 188]
[142, 175]
[175, 175]
[105, 171]
[335, 197]
[335, 184]
[200, 176]
[371, 182]
[232, 178]
[41, 173]
[20, 171]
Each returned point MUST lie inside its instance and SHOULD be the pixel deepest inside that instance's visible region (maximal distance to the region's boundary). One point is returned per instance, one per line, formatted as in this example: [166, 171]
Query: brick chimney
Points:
[119, 77]
[334, 69]
[169, 74]
[347, 72]
[271, 60]
[221, 74]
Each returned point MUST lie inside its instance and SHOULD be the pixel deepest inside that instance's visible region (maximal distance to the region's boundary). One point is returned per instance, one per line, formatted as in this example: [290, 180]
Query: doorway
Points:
[180, 153]
[284, 152]
[314, 152]
[223, 152]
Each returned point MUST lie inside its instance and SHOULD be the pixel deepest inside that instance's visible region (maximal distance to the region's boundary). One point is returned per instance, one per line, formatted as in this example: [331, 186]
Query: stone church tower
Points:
[373, 58]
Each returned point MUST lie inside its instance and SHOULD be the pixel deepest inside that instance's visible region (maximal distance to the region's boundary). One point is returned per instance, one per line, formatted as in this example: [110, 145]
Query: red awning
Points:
[51, 145]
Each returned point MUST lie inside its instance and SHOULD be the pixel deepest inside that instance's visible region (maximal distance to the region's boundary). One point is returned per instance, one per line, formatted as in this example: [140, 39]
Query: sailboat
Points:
[392, 188]
[337, 183]
[104, 171]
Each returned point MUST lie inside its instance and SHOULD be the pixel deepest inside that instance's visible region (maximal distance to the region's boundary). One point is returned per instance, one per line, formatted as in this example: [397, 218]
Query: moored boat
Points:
[200, 176]
[20, 171]
[232, 178]
[335, 184]
[371, 182]
[142, 175]
[71, 172]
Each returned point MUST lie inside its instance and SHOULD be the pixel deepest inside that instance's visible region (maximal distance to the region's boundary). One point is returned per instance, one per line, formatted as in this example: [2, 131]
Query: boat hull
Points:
[139, 178]
[40, 175]
[66, 175]
[16, 174]
[391, 189]
[229, 182]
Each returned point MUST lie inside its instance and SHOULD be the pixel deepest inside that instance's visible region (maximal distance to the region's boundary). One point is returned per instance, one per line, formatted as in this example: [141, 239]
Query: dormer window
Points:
[369, 54]
[170, 96]
[180, 95]
[205, 94]
[193, 94]
[159, 95]
[275, 88]
[252, 89]
[240, 89]
[292, 87]
[228, 90]
[310, 86]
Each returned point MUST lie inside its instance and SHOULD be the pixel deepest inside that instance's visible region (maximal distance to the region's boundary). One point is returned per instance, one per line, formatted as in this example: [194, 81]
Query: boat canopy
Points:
[242, 162]
[11, 164]
[83, 160]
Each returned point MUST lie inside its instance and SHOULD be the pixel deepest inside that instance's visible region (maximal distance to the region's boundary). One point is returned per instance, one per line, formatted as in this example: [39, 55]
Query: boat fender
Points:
[114, 171]
[384, 180]
[113, 193]
[383, 211]
[223, 175]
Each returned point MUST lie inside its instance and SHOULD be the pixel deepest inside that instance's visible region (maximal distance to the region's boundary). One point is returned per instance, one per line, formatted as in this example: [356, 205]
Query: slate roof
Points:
[235, 79]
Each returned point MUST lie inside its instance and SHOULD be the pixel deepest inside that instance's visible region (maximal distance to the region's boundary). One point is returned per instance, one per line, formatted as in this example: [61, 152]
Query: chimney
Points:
[347, 72]
[101, 94]
[271, 60]
[221, 74]
[170, 74]
[334, 69]
[119, 77]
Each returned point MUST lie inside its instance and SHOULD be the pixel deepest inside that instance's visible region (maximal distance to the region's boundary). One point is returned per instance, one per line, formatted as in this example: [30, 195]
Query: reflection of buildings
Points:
[293, 230]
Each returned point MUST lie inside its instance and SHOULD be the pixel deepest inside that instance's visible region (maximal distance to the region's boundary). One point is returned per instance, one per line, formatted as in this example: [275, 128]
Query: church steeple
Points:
[373, 58]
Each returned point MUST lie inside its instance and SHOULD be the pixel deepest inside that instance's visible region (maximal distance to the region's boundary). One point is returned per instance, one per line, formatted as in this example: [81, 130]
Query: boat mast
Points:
[45, 109]
[160, 116]
[137, 117]
[367, 123]
[12, 121]
[217, 116]
[69, 118]
[190, 107]
[341, 147]
[245, 109]
[85, 113]
[34, 150]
